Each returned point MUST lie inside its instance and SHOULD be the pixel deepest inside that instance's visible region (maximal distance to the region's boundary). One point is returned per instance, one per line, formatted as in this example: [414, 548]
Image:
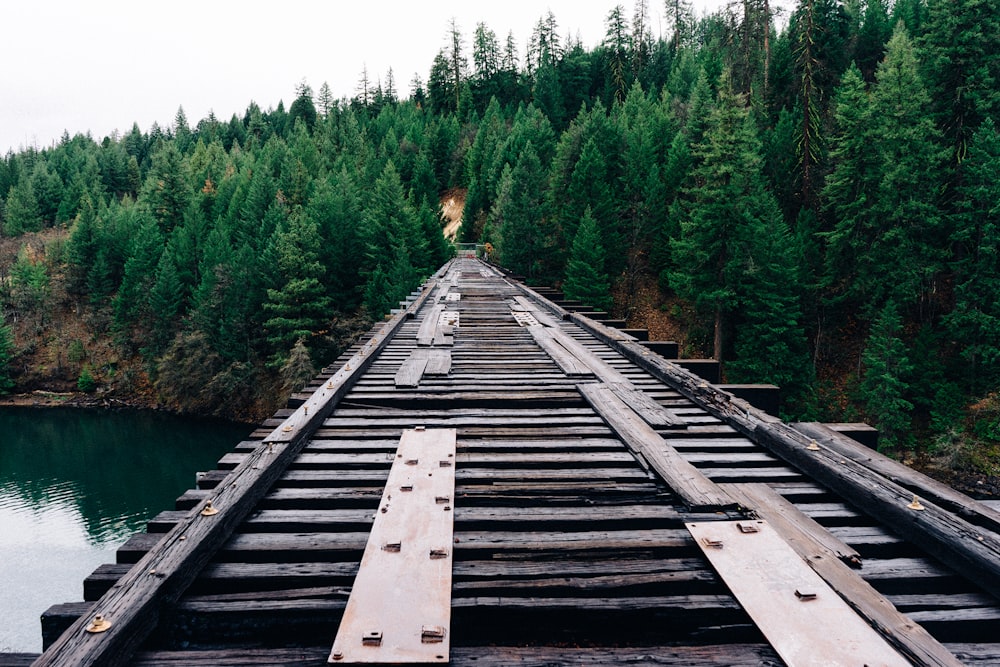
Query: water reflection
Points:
[74, 484]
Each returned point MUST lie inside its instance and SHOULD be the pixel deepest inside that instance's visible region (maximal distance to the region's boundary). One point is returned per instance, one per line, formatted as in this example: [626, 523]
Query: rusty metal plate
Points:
[525, 319]
[399, 610]
[448, 318]
[804, 619]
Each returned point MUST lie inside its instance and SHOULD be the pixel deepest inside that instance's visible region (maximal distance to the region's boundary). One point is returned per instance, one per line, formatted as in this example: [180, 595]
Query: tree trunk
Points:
[717, 352]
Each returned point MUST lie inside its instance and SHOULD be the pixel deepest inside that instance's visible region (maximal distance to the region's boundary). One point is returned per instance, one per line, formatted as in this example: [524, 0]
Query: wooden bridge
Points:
[490, 479]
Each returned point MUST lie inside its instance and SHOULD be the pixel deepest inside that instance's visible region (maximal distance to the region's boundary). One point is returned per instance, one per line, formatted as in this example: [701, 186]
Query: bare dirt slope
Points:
[452, 205]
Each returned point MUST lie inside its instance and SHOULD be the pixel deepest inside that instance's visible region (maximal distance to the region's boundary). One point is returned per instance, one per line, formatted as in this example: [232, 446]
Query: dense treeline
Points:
[231, 257]
[823, 196]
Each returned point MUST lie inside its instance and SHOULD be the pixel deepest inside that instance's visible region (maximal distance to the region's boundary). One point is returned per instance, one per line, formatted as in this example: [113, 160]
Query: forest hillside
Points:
[811, 198]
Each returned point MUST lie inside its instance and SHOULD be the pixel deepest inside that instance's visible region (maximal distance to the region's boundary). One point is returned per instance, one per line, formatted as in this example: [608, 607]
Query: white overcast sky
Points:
[100, 65]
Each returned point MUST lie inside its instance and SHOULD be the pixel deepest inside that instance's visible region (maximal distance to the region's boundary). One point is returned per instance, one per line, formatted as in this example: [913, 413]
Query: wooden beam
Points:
[921, 485]
[133, 607]
[563, 358]
[970, 550]
[694, 489]
[827, 556]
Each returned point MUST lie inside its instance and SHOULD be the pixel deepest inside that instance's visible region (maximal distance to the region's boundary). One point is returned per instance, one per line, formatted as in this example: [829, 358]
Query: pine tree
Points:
[167, 192]
[975, 321]
[7, 350]
[166, 302]
[521, 237]
[908, 236]
[21, 213]
[585, 276]
[298, 307]
[884, 385]
[960, 50]
[724, 205]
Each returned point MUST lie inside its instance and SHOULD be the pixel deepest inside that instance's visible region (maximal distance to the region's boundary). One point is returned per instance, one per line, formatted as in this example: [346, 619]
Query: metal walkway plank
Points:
[399, 610]
[805, 621]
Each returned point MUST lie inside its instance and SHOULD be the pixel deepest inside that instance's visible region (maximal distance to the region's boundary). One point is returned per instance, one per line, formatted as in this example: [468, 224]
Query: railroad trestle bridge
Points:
[488, 478]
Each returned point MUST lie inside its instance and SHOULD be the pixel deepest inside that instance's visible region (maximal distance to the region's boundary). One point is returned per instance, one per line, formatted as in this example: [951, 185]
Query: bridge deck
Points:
[569, 547]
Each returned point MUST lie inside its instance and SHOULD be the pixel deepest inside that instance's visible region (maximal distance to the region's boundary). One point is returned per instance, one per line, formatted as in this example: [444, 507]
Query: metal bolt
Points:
[813, 446]
[915, 505]
[98, 625]
[432, 634]
[209, 510]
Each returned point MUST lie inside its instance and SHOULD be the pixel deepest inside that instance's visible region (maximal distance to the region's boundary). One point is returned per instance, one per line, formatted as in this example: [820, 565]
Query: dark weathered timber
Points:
[563, 358]
[566, 547]
[161, 576]
[971, 551]
[946, 497]
[697, 491]
[826, 558]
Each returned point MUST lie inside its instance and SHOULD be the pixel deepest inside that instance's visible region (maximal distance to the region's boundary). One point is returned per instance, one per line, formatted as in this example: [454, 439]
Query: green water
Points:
[74, 485]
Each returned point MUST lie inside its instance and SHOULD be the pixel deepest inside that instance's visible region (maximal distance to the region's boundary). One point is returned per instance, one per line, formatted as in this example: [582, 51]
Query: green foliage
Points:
[884, 386]
[21, 213]
[585, 277]
[781, 195]
[86, 382]
[7, 350]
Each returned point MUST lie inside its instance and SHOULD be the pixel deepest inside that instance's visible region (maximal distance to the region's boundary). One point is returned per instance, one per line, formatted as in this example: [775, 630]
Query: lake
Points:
[74, 485]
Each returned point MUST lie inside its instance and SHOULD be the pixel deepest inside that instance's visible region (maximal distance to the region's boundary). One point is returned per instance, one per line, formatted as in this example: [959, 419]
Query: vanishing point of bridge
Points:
[490, 479]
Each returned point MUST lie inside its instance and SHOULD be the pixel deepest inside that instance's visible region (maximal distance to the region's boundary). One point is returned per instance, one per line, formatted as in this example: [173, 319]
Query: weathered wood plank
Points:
[399, 610]
[948, 498]
[410, 371]
[438, 362]
[696, 490]
[428, 326]
[802, 532]
[827, 555]
[563, 358]
[643, 404]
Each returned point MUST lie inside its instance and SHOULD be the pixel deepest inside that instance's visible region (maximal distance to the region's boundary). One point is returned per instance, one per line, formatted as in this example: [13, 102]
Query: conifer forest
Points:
[815, 194]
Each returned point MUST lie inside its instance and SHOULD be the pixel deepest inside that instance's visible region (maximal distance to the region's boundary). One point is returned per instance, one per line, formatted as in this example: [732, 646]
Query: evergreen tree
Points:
[166, 303]
[726, 203]
[975, 320]
[298, 307]
[960, 50]
[521, 236]
[167, 192]
[303, 107]
[585, 276]
[7, 350]
[908, 229]
[21, 212]
[884, 385]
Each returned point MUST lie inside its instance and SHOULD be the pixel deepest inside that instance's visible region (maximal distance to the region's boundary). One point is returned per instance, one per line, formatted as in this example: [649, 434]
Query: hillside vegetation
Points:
[817, 206]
